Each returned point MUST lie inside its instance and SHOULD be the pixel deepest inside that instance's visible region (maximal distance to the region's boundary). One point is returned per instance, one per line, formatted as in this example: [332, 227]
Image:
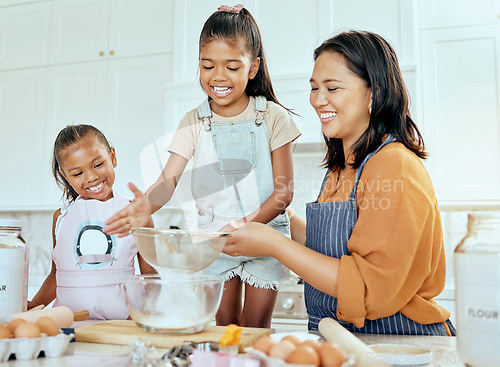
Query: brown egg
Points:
[4, 332]
[264, 344]
[292, 338]
[331, 355]
[14, 324]
[282, 350]
[27, 330]
[304, 354]
[312, 343]
[47, 326]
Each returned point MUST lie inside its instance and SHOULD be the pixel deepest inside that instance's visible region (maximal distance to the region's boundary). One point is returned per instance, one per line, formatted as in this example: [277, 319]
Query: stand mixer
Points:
[179, 299]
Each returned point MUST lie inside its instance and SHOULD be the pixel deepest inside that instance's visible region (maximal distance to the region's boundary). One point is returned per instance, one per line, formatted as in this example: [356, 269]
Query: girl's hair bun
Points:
[231, 9]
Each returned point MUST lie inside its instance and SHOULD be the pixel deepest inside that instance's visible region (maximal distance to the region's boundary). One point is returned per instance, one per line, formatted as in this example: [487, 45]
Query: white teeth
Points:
[222, 91]
[328, 115]
[96, 188]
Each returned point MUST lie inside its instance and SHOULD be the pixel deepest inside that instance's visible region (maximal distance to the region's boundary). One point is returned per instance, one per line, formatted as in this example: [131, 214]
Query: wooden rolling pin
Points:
[62, 315]
[80, 315]
[333, 332]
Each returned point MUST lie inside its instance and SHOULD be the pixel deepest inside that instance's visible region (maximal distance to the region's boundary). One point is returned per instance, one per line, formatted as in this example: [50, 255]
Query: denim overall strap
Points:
[204, 110]
[389, 139]
[329, 227]
[205, 114]
[260, 104]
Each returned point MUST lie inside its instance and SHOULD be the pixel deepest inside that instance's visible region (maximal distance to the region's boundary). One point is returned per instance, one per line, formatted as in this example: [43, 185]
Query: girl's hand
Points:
[136, 214]
[253, 240]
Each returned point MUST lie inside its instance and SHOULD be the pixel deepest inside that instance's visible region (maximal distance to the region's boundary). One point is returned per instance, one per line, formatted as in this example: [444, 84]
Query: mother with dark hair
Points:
[371, 253]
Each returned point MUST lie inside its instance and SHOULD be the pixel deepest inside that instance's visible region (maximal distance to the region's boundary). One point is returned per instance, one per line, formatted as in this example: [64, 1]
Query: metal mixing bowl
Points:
[176, 304]
[178, 250]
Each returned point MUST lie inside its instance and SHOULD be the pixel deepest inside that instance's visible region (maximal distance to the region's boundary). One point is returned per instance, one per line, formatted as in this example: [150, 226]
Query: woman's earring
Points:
[370, 110]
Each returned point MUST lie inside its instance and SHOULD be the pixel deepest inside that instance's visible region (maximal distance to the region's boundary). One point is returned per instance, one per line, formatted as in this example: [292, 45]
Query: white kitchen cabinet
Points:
[394, 22]
[135, 112]
[22, 117]
[88, 30]
[122, 98]
[24, 35]
[4, 3]
[461, 108]
[76, 94]
[453, 13]
[141, 27]
[121, 94]
[79, 31]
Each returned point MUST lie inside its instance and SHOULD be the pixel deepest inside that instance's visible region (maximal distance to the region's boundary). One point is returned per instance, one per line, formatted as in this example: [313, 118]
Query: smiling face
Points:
[89, 167]
[341, 99]
[225, 69]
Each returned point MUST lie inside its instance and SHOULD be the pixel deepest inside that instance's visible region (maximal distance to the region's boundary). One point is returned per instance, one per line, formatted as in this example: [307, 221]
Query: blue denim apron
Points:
[329, 227]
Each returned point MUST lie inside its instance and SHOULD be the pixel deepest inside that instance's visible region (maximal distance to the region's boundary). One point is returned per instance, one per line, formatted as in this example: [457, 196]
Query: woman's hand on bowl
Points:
[254, 240]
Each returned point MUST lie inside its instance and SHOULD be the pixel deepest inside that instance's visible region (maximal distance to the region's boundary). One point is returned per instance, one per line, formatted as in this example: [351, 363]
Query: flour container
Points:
[477, 277]
[14, 255]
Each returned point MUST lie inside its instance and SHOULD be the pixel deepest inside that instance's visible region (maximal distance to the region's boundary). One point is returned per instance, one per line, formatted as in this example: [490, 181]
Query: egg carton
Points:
[30, 348]
[267, 361]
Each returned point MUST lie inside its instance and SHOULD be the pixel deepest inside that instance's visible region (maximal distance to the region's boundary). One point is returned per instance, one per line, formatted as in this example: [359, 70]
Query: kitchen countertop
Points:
[92, 354]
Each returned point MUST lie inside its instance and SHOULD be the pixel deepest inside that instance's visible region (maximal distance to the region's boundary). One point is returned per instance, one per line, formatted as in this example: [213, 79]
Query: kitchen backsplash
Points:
[308, 177]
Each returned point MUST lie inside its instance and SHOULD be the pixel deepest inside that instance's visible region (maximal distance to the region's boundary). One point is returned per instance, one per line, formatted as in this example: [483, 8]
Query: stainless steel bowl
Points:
[178, 250]
[183, 304]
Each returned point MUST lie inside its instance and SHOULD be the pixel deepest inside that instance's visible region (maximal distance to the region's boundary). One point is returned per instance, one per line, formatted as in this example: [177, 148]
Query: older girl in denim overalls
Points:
[239, 183]
[240, 141]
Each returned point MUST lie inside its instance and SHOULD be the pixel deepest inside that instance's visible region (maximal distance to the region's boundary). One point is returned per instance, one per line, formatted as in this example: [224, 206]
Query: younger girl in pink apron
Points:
[88, 266]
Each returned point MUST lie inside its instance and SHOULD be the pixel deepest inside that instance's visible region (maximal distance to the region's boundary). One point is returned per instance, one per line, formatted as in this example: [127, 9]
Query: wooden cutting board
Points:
[125, 332]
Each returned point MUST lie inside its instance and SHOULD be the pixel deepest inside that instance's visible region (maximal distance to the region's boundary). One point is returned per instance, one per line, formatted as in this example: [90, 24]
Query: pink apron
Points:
[90, 264]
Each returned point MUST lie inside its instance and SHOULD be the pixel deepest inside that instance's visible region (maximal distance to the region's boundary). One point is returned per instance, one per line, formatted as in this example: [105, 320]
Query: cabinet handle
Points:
[101, 53]
[111, 52]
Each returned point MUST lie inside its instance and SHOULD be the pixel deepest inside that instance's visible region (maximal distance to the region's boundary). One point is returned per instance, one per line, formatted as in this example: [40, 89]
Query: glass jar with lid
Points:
[14, 265]
[477, 290]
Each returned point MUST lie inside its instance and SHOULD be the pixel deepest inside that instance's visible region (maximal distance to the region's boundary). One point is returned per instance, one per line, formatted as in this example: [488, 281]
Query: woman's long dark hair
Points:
[231, 27]
[68, 136]
[373, 59]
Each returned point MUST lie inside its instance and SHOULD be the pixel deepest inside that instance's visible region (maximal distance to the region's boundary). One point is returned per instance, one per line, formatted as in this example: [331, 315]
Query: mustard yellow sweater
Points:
[397, 260]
